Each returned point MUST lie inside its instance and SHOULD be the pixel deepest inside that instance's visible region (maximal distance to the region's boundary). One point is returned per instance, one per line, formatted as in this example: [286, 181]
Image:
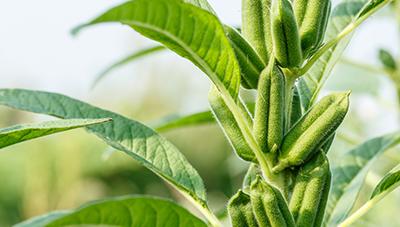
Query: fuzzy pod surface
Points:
[256, 26]
[240, 211]
[270, 109]
[229, 126]
[312, 17]
[310, 193]
[309, 133]
[285, 35]
[269, 206]
[250, 62]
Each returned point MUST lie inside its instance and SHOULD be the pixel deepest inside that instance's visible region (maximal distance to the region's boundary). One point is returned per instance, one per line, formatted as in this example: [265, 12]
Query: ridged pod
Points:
[285, 35]
[250, 62]
[229, 125]
[312, 18]
[270, 107]
[241, 211]
[269, 206]
[310, 193]
[256, 26]
[309, 133]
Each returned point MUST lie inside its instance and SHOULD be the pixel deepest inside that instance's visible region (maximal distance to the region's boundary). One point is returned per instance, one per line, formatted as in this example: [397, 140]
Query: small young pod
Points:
[312, 17]
[310, 192]
[229, 125]
[309, 133]
[387, 60]
[250, 62]
[256, 26]
[269, 206]
[240, 211]
[270, 108]
[285, 35]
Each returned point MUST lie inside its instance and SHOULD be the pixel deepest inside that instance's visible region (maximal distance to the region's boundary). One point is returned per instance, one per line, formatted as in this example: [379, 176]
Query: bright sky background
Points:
[37, 51]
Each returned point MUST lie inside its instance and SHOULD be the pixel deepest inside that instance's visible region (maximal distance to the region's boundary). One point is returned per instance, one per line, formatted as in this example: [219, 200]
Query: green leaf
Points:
[202, 4]
[130, 212]
[190, 31]
[131, 58]
[312, 82]
[191, 120]
[42, 220]
[251, 64]
[195, 119]
[390, 182]
[372, 4]
[20, 133]
[348, 176]
[129, 136]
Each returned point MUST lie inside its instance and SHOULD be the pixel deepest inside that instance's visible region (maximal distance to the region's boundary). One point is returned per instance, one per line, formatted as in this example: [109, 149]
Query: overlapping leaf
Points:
[189, 30]
[388, 183]
[132, 137]
[20, 133]
[43, 220]
[349, 173]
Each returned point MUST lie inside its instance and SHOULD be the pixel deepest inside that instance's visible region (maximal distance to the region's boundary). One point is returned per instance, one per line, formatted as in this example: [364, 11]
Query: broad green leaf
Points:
[20, 133]
[130, 212]
[312, 82]
[390, 182]
[372, 4]
[196, 119]
[349, 173]
[129, 136]
[190, 31]
[129, 59]
[43, 220]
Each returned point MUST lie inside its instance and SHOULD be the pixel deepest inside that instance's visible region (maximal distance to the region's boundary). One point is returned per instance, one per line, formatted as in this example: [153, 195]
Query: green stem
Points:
[290, 81]
[364, 66]
[346, 31]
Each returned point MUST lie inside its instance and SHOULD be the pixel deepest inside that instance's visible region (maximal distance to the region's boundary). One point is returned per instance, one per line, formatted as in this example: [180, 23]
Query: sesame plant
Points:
[284, 51]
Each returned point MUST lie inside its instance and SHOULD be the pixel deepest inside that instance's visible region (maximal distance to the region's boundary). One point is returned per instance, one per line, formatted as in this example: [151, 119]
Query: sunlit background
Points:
[67, 170]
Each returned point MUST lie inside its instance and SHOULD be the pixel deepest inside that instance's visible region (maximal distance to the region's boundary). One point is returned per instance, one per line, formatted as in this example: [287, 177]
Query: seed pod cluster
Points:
[264, 205]
[229, 125]
[289, 30]
[270, 108]
[310, 132]
[310, 192]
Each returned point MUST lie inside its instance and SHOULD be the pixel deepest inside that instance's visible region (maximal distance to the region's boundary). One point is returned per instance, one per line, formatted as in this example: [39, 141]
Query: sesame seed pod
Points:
[240, 211]
[312, 17]
[269, 206]
[270, 106]
[310, 192]
[256, 28]
[285, 35]
[309, 133]
[229, 125]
